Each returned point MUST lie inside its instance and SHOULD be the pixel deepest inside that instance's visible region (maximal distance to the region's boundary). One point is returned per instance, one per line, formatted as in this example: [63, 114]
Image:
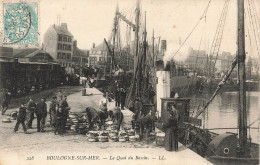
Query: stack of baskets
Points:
[92, 136]
[103, 136]
[132, 135]
[113, 136]
[123, 137]
[160, 139]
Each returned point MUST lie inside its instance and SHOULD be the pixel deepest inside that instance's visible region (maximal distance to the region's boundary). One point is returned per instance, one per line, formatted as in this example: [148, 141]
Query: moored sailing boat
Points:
[224, 149]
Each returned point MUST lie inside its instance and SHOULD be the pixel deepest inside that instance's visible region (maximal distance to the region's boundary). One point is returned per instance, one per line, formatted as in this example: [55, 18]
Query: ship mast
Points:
[136, 57]
[242, 117]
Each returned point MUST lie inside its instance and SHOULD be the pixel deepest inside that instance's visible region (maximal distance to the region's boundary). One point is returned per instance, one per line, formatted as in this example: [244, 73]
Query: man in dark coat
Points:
[171, 129]
[146, 122]
[138, 106]
[64, 108]
[30, 113]
[116, 116]
[53, 110]
[122, 97]
[41, 113]
[92, 116]
[58, 122]
[117, 96]
[5, 101]
[102, 115]
[21, 118]
[172, 94]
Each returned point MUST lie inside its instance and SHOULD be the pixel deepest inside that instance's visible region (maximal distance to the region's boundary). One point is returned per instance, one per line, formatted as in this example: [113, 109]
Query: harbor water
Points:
[222, 114]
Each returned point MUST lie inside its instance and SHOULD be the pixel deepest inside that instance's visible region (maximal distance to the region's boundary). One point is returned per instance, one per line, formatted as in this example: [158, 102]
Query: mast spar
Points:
[242, 117]
[136, 57]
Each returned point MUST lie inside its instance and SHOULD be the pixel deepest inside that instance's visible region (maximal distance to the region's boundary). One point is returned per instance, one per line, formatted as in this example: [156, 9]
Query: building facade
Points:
[200, 62]
[58, 42]
[80, 57]
[99, 56]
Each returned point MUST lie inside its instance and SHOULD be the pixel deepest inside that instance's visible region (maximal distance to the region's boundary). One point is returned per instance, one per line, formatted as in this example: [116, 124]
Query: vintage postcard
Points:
[129, 82]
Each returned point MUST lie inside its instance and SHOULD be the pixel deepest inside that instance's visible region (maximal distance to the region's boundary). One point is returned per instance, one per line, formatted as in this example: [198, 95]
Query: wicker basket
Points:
[92, 139]
[113, 139]
[123, 138]
[103, 138]
[160, 139]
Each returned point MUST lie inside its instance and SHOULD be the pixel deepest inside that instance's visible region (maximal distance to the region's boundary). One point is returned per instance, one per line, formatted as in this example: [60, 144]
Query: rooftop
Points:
[102, 47]
[26, 52]
[63, 30]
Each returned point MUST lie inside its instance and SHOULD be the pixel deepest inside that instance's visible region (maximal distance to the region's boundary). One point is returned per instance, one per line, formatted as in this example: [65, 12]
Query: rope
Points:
[203, 15]
[221, 35]
[255, 29]
[219, 86]
[253, 122]
[229, 128]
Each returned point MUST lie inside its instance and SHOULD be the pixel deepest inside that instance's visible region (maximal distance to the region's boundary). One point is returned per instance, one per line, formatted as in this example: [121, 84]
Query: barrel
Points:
[160, 139]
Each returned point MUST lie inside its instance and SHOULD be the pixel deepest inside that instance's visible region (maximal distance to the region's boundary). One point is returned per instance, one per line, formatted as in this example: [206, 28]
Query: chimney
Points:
[93, 45]
[75, 43]
[64, 25]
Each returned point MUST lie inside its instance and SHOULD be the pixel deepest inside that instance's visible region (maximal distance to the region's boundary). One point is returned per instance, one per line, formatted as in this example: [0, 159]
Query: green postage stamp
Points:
[20, 22]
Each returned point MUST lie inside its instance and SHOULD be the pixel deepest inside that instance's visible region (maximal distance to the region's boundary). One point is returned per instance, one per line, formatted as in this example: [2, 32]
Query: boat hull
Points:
[232, 160]
[183, 83]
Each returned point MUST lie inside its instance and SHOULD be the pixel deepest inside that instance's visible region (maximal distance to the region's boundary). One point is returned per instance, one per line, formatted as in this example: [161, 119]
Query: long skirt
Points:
[171, 140]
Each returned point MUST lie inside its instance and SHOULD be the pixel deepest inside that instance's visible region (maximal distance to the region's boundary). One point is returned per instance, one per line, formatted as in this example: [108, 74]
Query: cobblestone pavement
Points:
[19, 148]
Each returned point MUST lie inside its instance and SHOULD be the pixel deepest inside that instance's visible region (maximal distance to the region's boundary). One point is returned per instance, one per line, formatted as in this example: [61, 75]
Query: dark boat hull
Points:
[232, 160]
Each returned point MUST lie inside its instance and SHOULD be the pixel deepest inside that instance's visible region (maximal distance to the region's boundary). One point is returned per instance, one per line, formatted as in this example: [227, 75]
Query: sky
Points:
[90, 21]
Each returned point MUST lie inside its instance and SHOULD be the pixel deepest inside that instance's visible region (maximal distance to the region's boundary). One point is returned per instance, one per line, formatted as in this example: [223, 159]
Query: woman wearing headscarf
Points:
[171, 129]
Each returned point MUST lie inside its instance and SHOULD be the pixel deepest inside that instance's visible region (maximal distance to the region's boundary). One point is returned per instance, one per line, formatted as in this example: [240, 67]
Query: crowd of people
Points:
[58, 111]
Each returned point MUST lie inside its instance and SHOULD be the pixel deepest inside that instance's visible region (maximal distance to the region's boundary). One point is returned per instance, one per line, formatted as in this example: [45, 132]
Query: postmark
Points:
[20, 21]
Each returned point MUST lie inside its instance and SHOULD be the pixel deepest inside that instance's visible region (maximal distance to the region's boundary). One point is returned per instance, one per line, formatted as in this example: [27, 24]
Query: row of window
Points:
[100, 59]
[64, 38]
[65, 64]
[64, 47]
[98, 52]
[75, 59]
[64, 56]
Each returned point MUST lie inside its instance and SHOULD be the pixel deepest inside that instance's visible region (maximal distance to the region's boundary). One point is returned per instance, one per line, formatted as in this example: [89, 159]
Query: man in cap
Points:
[21, 118]
[64, 110]
[138, 106]
[117, 96]
[122, 97]
[41, 113]
[30, 112]
[59, 95]
[103, 103]
[5, 101]
[116, 116]
[103, 107]
[92, 116]
[53, 110]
